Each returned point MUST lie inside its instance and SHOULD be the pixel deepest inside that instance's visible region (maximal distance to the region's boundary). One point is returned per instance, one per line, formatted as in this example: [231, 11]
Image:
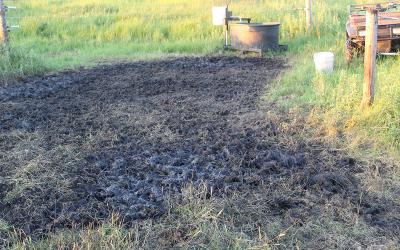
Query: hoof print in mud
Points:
[331, 183]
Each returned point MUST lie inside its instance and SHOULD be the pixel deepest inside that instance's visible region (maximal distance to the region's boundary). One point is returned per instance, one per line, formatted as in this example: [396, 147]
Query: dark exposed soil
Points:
[79, 145]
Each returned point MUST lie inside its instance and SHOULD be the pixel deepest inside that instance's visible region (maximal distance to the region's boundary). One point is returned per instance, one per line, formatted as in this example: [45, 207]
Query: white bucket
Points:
[219, 15]
[324, 62]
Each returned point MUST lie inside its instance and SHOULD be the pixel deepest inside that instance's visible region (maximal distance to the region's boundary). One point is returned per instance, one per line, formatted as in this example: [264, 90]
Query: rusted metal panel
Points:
[255, 36]
[384, 46]
[384, 32]
[388, 26]
[385, 18]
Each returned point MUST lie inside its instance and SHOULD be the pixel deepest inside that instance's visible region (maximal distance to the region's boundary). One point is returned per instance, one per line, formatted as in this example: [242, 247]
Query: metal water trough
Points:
[256, 37]
[247, 36]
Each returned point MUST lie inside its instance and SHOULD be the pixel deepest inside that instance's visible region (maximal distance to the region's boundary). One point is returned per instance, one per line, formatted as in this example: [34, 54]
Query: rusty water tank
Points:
[259, 37]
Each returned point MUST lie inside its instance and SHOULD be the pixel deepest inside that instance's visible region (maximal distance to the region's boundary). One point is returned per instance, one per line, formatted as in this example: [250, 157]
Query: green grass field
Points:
[56, 35]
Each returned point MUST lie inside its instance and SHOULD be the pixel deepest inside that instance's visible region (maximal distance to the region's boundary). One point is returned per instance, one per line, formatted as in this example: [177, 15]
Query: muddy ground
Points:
[79, 145]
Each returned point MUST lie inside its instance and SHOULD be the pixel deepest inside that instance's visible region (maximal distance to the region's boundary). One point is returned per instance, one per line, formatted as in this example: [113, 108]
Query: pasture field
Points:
[330, 177]
[59, 34]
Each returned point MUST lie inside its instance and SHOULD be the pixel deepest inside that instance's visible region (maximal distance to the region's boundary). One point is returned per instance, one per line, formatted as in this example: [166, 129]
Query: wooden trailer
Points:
[388, 29]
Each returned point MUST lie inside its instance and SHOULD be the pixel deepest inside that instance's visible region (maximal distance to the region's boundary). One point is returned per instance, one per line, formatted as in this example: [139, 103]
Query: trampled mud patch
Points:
[79, 145]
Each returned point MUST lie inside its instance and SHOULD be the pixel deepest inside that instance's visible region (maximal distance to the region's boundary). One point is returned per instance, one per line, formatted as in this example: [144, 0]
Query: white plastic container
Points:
[219, 14]
[324, 62]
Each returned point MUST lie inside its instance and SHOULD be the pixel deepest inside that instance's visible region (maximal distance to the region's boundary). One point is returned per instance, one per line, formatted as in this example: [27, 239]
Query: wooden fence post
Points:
[309, 18]
[3, 24]
[371, 40]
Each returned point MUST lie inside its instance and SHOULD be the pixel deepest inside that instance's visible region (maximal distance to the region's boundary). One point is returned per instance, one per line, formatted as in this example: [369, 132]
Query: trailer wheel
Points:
[350, 50]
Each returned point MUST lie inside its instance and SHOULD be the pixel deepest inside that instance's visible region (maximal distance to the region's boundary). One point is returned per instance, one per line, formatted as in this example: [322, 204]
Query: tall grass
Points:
[57, 34]
[335, 100]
